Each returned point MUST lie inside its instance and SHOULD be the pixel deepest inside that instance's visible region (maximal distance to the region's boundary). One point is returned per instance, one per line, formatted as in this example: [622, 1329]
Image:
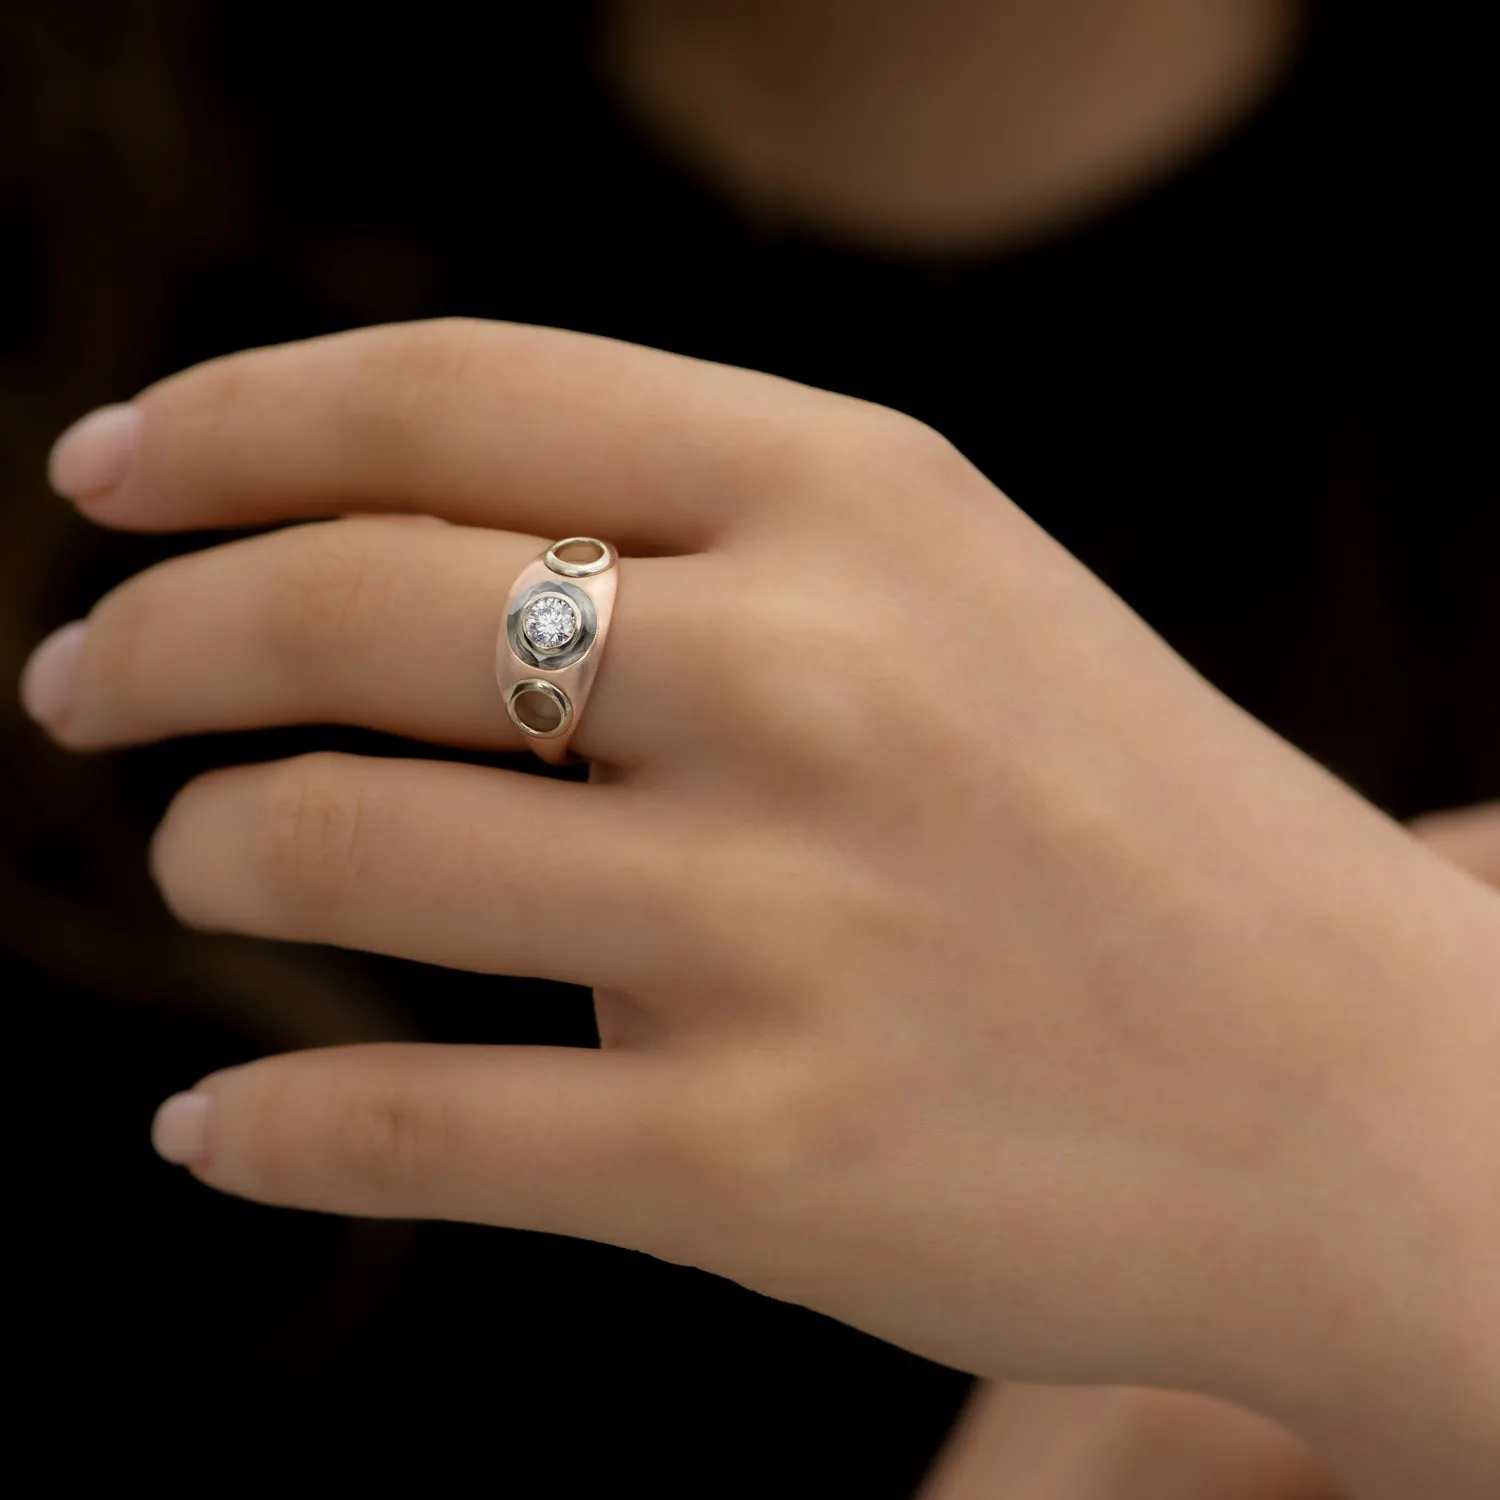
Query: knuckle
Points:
[808, 707]
[319, 589]
[386, 1140]
[314, 833]
[888, 439]
[753, 1123]
[735, 648]
[868, 447]
[352, 1140]
[403, 375]
[759, 644]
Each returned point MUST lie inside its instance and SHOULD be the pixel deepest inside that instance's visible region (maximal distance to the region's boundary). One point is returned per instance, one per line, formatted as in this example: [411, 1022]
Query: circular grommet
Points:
[580, 556]
[540, 709]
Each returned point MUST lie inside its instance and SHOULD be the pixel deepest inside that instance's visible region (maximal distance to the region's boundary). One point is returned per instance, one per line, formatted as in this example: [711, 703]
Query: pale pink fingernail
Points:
[48, 677]
[180, 1130]
[91, 457]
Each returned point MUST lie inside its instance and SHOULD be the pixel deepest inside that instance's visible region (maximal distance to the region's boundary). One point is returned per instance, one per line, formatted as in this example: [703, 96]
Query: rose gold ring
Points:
[548, 652]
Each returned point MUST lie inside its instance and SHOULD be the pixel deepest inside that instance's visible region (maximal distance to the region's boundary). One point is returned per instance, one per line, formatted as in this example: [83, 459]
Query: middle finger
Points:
[381, 622]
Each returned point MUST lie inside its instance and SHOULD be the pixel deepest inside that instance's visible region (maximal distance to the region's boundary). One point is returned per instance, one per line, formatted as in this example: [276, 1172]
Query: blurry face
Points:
[941, 124]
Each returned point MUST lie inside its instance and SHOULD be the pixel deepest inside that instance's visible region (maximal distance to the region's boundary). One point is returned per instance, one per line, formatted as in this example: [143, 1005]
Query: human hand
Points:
[1049, 1442]
[1129, 1443]
[966, 967]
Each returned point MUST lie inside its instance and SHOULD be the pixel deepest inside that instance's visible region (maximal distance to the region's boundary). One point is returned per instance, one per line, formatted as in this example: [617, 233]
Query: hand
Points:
[1117, 1443]
[1038, 1442]
[966, 967]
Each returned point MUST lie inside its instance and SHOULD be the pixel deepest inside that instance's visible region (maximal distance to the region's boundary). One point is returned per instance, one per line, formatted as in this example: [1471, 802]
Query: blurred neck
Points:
[943, 125]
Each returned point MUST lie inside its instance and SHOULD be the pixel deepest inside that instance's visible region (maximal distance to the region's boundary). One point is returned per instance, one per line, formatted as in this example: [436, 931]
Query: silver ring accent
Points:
[576, 649]
[577, 614]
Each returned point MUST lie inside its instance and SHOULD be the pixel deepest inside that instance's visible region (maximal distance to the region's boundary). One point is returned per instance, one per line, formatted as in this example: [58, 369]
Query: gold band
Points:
[548, 650]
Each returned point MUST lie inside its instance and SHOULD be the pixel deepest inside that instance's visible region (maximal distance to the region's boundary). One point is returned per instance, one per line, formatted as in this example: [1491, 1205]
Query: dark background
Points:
[1256, 401]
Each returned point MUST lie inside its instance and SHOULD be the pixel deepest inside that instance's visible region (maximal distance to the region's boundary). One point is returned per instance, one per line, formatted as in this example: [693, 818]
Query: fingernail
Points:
[92, 456]
[48, 677]
[180, 1130]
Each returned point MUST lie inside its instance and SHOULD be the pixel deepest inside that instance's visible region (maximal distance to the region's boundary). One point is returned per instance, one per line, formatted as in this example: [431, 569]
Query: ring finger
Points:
[436, 861]
[380, 622]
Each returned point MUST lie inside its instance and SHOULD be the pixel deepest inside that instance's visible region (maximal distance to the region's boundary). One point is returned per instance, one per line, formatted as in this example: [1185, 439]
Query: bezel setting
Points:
[543, 618]
[582, 640]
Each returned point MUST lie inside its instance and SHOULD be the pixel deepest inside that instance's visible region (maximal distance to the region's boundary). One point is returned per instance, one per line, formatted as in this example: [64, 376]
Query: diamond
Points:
[550, 623]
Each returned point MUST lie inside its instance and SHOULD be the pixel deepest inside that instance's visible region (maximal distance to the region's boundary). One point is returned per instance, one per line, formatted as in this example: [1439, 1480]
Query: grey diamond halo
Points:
[551, 623]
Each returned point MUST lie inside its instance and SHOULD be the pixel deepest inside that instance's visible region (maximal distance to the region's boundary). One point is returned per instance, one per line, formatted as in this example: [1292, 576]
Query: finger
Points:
[498, 872]
[542, 1138]
[1468, 837]
[373, 622]
[497, 424]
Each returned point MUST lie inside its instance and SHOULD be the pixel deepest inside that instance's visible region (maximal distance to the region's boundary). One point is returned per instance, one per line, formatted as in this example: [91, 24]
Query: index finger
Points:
[497, 424]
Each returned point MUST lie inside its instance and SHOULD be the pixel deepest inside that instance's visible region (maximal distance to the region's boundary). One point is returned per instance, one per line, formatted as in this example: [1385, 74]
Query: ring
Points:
[548, 651]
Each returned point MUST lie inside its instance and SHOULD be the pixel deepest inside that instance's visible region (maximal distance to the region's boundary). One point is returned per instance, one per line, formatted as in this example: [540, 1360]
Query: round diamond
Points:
[550, 622]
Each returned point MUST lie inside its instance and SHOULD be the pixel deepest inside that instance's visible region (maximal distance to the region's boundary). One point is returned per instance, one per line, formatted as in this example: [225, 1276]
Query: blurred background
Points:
[1250, 387]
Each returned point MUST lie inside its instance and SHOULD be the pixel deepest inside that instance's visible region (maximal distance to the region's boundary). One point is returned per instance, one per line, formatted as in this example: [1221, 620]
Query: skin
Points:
[943, 127]
[967, 967]
[950, 128]
[1020, 1442]
[1119, 1443]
